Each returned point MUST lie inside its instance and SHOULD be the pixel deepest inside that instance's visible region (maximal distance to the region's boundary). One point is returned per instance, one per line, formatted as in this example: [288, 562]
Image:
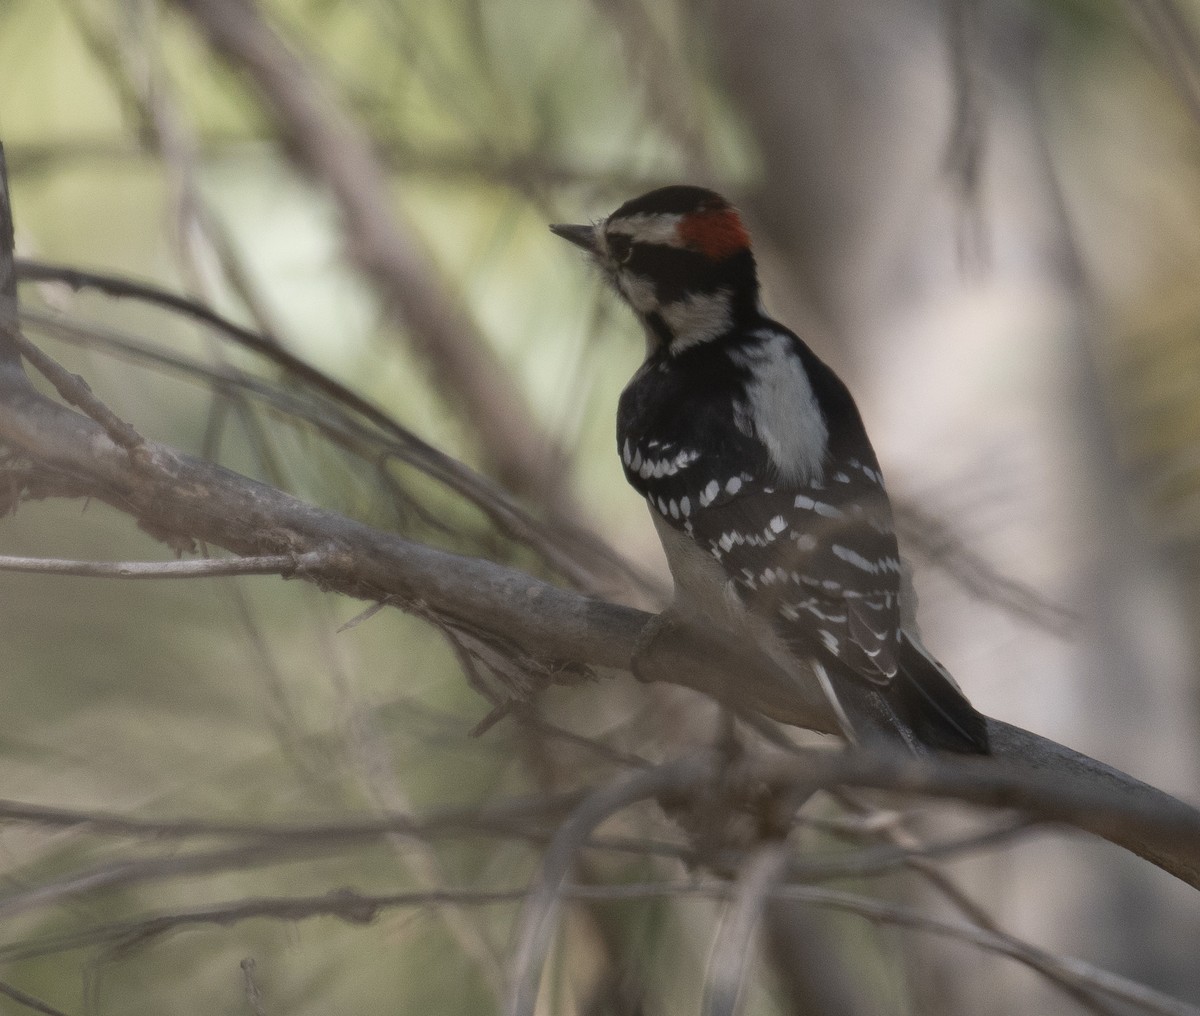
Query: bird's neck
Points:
[698, 318]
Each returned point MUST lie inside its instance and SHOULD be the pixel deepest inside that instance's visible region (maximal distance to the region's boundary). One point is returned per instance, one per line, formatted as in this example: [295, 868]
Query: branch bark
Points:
[170, 493]
[184, 499]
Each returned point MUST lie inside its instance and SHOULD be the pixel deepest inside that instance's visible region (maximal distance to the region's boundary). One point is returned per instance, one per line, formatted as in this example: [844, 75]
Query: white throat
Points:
[697, 318]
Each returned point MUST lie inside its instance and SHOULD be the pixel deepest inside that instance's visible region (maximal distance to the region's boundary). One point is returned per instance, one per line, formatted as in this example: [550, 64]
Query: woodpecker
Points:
[761, 480]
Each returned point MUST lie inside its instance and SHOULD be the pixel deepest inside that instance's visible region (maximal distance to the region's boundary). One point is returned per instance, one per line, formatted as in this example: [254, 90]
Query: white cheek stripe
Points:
[638, 291]
[647, 228]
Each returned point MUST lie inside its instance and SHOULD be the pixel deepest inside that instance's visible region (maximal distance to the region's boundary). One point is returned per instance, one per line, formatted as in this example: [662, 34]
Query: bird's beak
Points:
[581, 236]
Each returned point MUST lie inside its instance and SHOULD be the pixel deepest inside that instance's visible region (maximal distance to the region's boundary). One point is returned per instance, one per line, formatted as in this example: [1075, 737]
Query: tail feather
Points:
[930, 702]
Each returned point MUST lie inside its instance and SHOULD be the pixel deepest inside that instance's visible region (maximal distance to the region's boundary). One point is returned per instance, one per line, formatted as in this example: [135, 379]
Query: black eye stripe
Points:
[676, 272]
[620, 247]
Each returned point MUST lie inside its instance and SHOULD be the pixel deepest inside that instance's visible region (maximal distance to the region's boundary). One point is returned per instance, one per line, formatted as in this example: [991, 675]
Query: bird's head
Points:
[680, 257]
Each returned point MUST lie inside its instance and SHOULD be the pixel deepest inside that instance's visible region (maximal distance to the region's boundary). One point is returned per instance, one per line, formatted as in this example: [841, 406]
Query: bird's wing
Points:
[819, 559]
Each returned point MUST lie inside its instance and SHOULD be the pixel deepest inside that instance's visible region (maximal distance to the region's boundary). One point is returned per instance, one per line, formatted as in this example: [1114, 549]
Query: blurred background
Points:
[984, 213]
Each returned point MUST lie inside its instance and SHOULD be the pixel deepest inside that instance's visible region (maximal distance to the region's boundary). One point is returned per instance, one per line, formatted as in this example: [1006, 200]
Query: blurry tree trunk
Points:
[937, 251]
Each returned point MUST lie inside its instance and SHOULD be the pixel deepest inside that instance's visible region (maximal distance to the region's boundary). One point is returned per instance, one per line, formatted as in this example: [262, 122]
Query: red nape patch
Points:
[719, 232]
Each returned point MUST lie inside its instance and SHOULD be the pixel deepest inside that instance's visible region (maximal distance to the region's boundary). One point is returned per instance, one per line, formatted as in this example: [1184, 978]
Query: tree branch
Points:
[327, 142]
[184, 499]
[271, 564]
[168, 492]
[575, 551]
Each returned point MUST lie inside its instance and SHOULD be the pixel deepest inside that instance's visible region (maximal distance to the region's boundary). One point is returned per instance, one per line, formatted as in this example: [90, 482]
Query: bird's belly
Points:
[705, 598]
[703, 591]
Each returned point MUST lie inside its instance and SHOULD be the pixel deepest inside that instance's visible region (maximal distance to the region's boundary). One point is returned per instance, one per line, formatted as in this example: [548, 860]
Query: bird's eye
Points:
[619, 248]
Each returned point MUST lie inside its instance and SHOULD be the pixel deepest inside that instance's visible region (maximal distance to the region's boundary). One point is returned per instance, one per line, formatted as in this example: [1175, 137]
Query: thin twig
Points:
[334, 148]
[181, 495]
[933, 539]
[78, 393]
[1084, 973]
[501, 817]
[270, 564]
[537, 921]
[250, 984]
[359, 908]
[28, 1000]
[508, 516]
[733, 949]
[1175, 45]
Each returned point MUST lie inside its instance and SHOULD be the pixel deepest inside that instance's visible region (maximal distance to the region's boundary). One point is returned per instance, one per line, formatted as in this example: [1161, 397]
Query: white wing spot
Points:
[684, 459]
[778, 524]
[805, 541]
[733, 485]
[709, 494]
[820, 507]
[685, 506]
[855, 558]
[626, 454]
[674, 509]
[830, 640]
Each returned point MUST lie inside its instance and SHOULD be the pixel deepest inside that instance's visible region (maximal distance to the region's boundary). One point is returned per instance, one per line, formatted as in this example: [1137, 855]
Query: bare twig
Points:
[182, 495]
[524, 171]
[142, 870]
[76, 391]
[965, 148]
[271, 564]
[511, 817]
[1085, 974]
[8, 274]
[733, 949]
[360, 908]
[1174, 44]
[182, 498]
[922, 859]
[250, 983]
[934, 540]
[28, 1000]
[335, 149]
[573, 550]
[878, 860]
[536, 924]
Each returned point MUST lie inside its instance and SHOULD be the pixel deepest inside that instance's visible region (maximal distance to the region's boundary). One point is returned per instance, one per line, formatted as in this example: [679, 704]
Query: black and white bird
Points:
[760, 478]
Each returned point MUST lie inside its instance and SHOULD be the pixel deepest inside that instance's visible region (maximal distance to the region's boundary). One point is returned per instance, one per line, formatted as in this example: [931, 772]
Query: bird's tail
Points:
[922, 707]
[930, 702]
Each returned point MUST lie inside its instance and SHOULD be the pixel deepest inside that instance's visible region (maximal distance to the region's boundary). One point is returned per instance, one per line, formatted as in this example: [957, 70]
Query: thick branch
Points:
[168, 492]
[184, 498]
